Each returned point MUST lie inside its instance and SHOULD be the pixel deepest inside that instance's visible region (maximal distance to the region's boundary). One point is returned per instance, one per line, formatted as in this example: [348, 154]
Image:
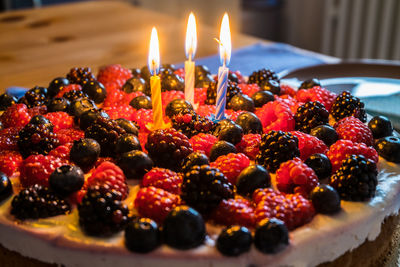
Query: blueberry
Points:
[321, 165]
[128, 126]
[90, 116]
[261, 98]
[201, 70]
[6, 101]
[380, 126]
[250, 123]
[233, 77]
[168, 68]
[307, 84]
[252, 178]
[271, 236]
[142, 235]
[85, 152]
[172, 82]
[6, 189]
[145, 73]
[195, 158]
[325, 133]
[58, 104]
[184, 228]
[221, 148]
[230, 132]
[271, 86]
[39, 119]
[241, 102]
[234, 240]
[136, 84]
[204, 81]
[177, 105]
[135, 72]
[80, 106]
[389, 148]
[56, 86]
[141, 101]
[66, 180]
[135, 164]
[126, 143]
[325, 199]
[95, 90]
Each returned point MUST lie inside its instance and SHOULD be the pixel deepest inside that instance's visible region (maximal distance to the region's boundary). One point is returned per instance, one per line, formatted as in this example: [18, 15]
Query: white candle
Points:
[190, 49]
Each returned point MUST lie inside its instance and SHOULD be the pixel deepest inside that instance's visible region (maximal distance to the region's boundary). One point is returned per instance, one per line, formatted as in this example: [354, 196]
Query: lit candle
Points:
[155, 82]
[190, 49]
[225, 48]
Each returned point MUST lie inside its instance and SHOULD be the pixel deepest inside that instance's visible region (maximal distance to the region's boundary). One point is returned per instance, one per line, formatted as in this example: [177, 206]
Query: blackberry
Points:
[101, 213]
[204, 187]
[36, 139]
[262, 75]
[80, 75]
[346, 105]
[34, 97]
[106, 133]
[310, 115]
[36, 202]
[356, 179]
[74, 95]
[231, 90]
[190, 123]
[277, 147]
[168, 148]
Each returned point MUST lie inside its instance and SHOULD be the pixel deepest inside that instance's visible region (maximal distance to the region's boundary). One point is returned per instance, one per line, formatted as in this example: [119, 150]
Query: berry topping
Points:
[195, 158]
[271, 236]
[142, 235]
[60, 120]
[261, 98]
[249, 145]
[277, 147]
[141, 101]
[229, 131]
[204, 187]
[89, 117]
[37, 202]
[356, 178]
[346, 105]
[250, 123]
[7, 100]
[126, 143]
[232, 89]
[262, 75]
[241, 102]
[321, 165]
[56, 86]
[135, 164]
[380, 126]
[231, 165]
[276, 115]
[350, 128]
[308, 84]
[136, 84]
[234, 211]
[36, 139]
[203, 143]
[85, 152]
[10, 161]
[177, 106]
[129, 126]
[309, 145]
[9, 138]
[72, 95]
[389, 148]
[6, 189]
[80, 106]
[325, 199]
[190, 123]
[34, 97]
[114, 75]
[15, 115]
[184, 228]
[95, 90]
[270, 86]
[234, 241]
[252, 178]
[221, 148]
[164, 179]
[66, 180]
[325, 133]
[172, 82]
[80, 75]
[310, 115]
[317, 93]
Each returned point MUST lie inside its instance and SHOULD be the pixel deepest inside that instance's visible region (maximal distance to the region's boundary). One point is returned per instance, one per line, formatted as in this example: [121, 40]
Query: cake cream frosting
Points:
[60, 239]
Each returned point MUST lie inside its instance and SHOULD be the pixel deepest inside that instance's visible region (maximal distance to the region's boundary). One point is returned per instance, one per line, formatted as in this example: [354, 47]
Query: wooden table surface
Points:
[38, 45]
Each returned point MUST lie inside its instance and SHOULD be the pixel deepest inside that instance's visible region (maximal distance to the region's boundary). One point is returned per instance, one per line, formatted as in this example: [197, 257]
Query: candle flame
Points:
[225, 45]
[191, 37]
[154, 53]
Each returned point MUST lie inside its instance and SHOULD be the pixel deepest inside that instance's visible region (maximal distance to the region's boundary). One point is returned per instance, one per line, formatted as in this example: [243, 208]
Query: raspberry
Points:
[231, 165]
[249, 145]
[180, 72]
[143, 117]
[294, 176]
[101, 213]
[317, 93]
[168, 148]
[310, 115]
[277, 147]
[204, 187]
[232, 114]
[36, 139]
[262, 75]
[190, 124]
[114, 97]
[351, 128]
[9, 138]
[293, 209]
[168, 96]
[238, 211]
[61, 152]
[342, 148]
[249, 89]
[200, 95]
[356, 178]
[231, 90]
[39, 110]
[206, 110]
[120, 111]
[80, 75]
[277, 116]
[114, 74]
[143, 140]
[203, 143]
[163, 178]
[155, 203]
[309, 145]
[10, 161]
[15, 116]
[60, 120]
[288, 90]
[129, 96]
[36, 169]
[346, 105]
[38, 202]
[69, 88]
[66, 136]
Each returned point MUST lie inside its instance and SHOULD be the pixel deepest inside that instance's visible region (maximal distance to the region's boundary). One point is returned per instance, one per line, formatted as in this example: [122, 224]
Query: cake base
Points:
[383, 251]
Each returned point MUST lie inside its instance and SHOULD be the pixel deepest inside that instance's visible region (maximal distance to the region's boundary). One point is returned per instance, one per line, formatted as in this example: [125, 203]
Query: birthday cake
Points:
[290, 177]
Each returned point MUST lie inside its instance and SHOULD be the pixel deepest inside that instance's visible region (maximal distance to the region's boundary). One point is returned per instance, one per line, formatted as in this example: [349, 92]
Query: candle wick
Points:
[219, 42]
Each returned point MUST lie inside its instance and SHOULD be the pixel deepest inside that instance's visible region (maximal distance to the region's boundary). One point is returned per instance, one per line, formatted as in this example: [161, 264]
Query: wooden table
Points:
[38, 45]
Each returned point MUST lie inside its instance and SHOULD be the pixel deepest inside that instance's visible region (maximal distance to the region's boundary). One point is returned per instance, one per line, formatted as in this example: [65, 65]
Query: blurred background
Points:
[348, 29]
